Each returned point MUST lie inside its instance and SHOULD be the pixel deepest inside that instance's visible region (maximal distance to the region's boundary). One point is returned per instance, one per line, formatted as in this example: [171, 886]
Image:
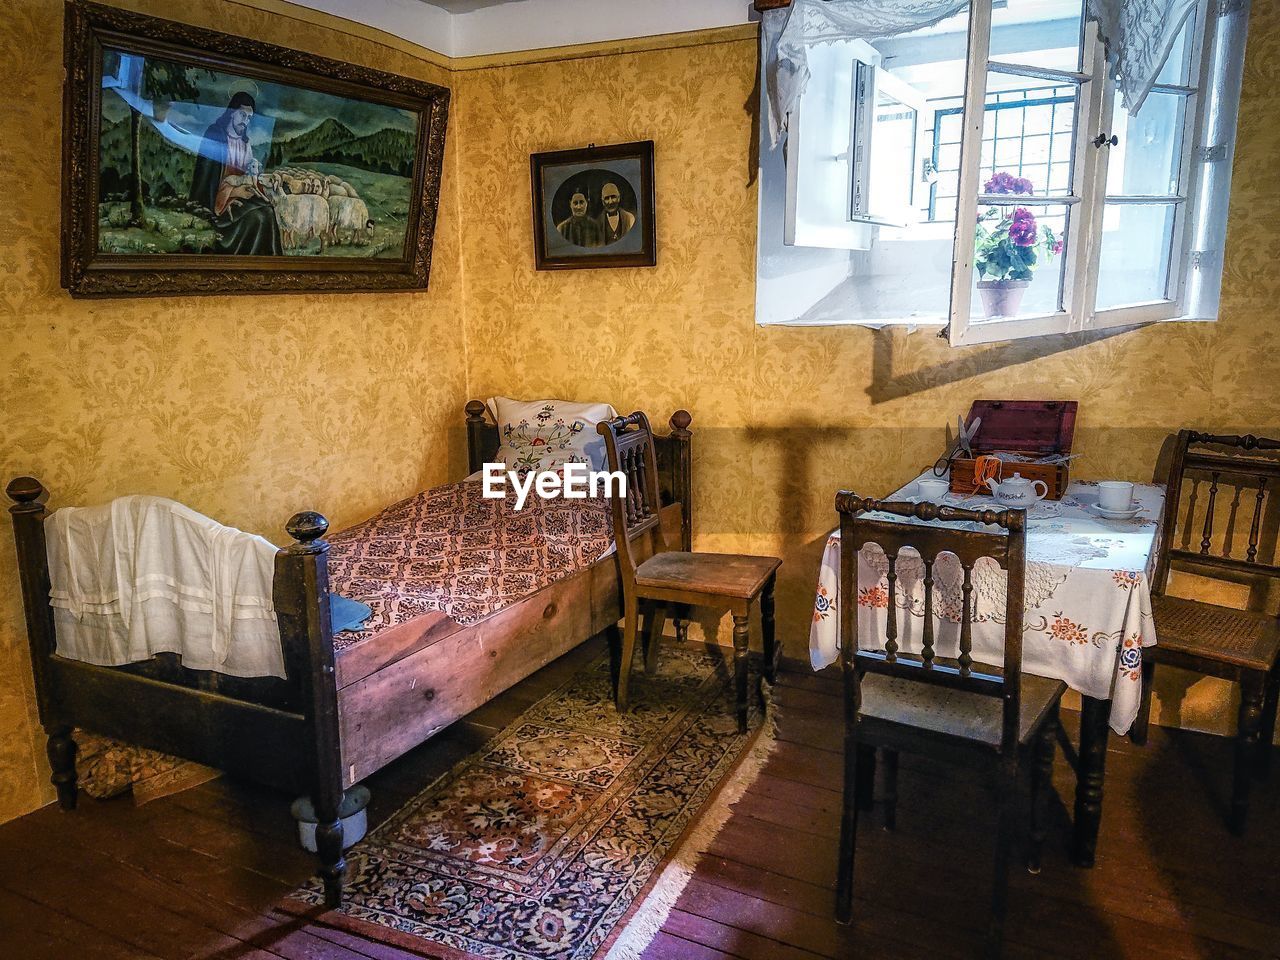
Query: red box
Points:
[1036, 428]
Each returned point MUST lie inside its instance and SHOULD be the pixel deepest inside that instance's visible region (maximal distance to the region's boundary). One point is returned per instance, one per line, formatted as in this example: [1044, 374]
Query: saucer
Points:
[1114, 514]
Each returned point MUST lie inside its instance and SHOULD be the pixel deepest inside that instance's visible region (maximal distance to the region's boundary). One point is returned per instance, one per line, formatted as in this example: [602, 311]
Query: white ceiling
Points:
[465, 28]
[466, 6]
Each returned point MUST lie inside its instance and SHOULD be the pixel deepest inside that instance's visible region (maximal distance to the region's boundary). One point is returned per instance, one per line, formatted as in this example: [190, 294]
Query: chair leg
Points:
[740, 640]
[866, 776]
[855, 771]
[1267, 735]
[1006, 788]
[629, 626]
[654, 620]
[1041, 781]
[890, 789]
[1138, 732]
[62, 760]
[772, 652]
[613, 634]
[1247, 738]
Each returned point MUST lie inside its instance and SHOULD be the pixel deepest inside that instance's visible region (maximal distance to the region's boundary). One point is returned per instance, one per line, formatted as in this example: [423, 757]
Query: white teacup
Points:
[1115, 495]
[932, 488]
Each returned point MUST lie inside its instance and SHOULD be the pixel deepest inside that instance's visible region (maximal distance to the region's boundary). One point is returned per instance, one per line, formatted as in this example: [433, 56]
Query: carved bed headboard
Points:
[674, 470]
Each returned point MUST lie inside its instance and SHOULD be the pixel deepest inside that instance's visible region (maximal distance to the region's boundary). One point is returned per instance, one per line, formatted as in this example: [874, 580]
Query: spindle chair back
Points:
[930, 540]
[1208, 536]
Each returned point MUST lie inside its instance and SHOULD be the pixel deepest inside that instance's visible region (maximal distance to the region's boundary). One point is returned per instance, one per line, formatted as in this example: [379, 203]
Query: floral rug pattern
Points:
[536, 846]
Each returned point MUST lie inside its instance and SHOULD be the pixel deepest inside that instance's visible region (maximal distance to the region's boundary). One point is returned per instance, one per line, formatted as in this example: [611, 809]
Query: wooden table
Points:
[1088, 617]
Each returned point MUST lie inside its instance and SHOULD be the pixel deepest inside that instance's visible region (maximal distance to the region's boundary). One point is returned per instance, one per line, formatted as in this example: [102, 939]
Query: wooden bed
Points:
[336, 717]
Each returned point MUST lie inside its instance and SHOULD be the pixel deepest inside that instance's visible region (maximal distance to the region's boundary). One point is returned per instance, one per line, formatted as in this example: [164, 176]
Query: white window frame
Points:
[1086, 202]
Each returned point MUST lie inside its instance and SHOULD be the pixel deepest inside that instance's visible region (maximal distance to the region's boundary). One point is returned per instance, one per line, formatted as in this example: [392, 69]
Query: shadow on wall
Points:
[969, 362]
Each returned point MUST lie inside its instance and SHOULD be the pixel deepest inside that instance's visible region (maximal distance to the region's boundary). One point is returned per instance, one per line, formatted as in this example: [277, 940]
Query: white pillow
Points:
[546, 434]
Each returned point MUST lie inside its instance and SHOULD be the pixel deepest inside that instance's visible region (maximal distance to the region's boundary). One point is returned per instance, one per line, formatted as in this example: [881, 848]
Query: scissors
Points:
[963, 444]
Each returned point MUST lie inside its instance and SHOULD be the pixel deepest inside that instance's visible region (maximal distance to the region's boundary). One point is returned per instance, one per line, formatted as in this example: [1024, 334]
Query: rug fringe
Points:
[645, 923]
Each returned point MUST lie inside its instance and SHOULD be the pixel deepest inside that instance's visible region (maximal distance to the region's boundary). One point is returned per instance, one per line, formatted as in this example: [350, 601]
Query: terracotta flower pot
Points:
[1002, 298]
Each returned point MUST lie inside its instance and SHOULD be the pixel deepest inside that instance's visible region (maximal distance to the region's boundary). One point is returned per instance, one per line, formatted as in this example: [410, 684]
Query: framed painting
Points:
[200, 162]
[593, 207]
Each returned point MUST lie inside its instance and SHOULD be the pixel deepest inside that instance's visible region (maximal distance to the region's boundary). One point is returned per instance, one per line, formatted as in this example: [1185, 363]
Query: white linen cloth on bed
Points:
[145, 575]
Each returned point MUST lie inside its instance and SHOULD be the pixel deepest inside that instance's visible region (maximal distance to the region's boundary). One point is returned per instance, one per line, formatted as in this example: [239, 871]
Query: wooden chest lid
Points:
[1024, 426]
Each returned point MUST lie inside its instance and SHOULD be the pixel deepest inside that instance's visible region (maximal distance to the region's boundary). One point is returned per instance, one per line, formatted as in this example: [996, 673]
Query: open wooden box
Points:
[1035, 428]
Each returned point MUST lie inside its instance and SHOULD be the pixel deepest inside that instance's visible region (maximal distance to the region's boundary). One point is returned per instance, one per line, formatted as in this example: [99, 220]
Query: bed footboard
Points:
[282, 733]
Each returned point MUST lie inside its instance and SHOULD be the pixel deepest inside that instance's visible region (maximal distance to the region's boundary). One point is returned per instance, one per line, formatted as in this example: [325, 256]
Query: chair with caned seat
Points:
[950, 708]
[656, 578]
[1238, 645]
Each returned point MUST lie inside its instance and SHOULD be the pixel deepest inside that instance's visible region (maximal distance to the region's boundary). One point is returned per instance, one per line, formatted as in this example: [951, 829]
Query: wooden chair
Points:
[675, 577]
[1237, 645]
[952, 709]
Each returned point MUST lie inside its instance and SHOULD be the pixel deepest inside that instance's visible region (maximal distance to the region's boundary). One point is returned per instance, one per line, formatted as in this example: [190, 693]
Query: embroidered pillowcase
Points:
[541, 435]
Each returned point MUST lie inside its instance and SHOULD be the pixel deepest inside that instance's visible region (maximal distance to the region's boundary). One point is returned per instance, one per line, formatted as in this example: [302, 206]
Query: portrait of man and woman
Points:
[609, 224]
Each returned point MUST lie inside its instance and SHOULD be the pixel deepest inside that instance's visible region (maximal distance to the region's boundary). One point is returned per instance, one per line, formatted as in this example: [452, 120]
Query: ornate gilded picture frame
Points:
[200, 162]
[593, 207]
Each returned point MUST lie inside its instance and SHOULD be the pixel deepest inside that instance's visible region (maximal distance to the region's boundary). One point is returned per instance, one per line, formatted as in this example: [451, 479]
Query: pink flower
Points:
[1056, 248]
[1022, 228]
[1004, 182]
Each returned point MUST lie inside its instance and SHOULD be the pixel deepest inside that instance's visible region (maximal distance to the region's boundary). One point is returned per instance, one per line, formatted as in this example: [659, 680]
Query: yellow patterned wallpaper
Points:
[784, 416]
[246, 408]
[250, 408]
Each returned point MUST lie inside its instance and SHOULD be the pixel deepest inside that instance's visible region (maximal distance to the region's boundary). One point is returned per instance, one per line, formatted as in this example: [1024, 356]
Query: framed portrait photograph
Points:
[593, 207]
[201, 162]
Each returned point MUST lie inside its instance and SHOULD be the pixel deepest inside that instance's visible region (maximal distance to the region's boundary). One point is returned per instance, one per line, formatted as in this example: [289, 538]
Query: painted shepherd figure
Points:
[244, 219]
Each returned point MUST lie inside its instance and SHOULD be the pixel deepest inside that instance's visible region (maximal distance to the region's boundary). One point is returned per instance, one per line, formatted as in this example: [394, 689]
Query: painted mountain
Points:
[385, 151]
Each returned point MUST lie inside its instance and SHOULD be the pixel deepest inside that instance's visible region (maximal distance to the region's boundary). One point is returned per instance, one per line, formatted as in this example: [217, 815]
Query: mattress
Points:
[451, 551]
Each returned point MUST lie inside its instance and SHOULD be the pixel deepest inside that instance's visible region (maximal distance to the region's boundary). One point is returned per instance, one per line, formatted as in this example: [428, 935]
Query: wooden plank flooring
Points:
[200, 874]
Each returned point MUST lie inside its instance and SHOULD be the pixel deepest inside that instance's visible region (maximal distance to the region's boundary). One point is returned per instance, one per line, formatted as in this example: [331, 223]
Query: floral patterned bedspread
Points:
[1088, 597]
[451, 550]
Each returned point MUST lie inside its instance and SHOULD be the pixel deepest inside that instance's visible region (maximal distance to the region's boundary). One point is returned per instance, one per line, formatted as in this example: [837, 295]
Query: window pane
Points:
[1018, 260]
[1026, 133]
[1177, 69]
[891, 171]
[1041, 33]
[1134, 262]
[1145, 162]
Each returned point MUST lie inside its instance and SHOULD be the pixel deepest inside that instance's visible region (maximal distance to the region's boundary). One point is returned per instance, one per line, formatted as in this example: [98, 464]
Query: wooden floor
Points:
[198, 874]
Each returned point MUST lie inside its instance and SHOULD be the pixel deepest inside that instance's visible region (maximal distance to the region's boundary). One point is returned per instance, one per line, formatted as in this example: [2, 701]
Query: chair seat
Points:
[956, 713]
[716, 574]
[1205, 630]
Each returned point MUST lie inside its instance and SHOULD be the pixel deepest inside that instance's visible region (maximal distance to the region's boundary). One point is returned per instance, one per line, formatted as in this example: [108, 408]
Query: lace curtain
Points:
[788, 33]
[1138, 34]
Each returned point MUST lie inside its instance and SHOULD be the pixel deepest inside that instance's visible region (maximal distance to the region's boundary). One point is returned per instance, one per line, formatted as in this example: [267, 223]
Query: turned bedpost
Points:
[682, 487]
[476, 428]
[302, 609]
[28, 512]
[683, 483]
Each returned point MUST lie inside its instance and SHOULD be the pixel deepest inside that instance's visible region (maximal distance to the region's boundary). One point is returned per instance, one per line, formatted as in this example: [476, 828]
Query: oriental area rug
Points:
[569, 835]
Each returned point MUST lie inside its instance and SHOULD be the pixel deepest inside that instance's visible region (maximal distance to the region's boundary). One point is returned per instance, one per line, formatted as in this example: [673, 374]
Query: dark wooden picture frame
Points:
[574, 225]
[87, 271]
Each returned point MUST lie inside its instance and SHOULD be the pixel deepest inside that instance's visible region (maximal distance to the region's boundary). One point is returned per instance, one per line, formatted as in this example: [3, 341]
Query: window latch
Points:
[1102, 140]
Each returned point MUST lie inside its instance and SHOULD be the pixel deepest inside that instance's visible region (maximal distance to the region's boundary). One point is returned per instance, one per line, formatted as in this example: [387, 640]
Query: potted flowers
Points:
[1008, 246]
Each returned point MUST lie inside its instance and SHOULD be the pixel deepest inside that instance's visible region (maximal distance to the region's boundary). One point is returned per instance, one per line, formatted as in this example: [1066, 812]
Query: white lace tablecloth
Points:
[1088, 597]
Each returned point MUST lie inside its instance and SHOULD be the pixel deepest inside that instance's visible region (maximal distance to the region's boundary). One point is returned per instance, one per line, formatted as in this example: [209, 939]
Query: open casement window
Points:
[981, 173]
[1115, 237]
[845, 170]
